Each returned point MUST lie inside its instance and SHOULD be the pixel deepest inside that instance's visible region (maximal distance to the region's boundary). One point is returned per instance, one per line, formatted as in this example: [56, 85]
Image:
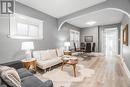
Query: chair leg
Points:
[62, 66]
[74, 70]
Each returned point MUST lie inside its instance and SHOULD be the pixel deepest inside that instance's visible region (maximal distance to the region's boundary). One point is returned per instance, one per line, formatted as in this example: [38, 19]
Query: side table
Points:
[30, 64]
[67, 53]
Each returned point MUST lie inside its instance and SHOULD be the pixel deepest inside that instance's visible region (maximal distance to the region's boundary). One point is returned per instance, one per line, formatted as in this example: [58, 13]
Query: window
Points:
[74, 38]
[24, 27]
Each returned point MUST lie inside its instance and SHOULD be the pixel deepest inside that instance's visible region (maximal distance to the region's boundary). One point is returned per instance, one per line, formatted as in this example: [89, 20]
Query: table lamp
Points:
[27, 47]
[67, 44]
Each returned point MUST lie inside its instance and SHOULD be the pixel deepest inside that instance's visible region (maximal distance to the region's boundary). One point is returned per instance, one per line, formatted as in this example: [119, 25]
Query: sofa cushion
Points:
[44, 55]
[52, 53]
[32, 81]
[48, 63]
[11, 77]
[23, 73]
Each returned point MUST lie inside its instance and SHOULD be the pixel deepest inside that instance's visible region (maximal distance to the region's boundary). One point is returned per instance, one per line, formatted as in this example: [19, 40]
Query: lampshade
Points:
[27, 46]
[67, 44]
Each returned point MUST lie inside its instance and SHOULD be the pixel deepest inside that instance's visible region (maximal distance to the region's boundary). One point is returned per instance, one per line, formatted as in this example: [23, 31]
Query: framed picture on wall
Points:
[125, 35]
[88, 38]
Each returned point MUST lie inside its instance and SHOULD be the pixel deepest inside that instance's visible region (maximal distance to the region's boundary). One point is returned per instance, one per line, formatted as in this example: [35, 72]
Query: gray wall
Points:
[92, 31]
[10, 49]
[126, 49]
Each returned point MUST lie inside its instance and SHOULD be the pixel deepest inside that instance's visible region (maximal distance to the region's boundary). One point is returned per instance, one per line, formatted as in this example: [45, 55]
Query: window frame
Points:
[77, 42]
[18, 18]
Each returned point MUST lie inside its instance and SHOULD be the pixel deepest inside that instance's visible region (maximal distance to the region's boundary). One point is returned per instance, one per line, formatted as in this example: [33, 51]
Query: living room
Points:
[59, 26]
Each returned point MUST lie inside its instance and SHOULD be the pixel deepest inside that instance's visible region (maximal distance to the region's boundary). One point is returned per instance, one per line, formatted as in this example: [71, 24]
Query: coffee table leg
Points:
[74, 69]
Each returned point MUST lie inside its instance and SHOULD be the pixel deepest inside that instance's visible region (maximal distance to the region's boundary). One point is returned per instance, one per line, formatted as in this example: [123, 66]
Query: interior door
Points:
[110, 41]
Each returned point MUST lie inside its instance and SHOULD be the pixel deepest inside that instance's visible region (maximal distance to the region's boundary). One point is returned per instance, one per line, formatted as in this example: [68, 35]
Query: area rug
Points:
[64, 78]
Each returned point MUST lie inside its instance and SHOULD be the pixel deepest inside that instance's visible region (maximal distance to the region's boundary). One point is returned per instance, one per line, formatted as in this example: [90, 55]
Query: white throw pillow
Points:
[60, 52]
[3, 68]
[11, 77]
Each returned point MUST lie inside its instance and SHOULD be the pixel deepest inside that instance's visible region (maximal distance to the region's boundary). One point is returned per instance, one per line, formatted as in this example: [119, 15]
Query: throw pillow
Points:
[11, 77]
[3, 68]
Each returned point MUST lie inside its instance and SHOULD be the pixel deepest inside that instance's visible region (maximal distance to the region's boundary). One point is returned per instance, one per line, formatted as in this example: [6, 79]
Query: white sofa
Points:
[48, 58]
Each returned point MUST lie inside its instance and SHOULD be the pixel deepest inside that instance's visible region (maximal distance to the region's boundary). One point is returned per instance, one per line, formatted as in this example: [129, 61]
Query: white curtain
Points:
[109, 41]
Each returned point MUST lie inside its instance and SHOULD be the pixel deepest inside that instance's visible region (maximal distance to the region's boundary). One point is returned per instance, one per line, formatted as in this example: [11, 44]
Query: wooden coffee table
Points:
[71, 61]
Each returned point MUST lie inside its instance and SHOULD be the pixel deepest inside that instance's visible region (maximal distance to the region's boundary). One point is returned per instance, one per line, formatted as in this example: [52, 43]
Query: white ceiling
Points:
[60, 8]
[102, 17]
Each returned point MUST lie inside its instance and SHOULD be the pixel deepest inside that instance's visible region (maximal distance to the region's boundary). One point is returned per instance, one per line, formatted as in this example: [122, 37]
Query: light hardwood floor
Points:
[109, 72]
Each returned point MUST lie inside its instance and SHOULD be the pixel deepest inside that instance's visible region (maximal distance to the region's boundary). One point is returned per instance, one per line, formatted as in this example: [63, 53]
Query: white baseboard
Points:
[125, 67]
[126, 70]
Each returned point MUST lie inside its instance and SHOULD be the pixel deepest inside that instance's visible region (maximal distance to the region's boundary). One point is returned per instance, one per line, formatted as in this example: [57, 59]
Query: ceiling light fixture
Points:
[91, 23]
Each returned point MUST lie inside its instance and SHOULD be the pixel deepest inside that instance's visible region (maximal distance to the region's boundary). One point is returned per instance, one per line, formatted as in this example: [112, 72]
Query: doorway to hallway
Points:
[110, 41]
